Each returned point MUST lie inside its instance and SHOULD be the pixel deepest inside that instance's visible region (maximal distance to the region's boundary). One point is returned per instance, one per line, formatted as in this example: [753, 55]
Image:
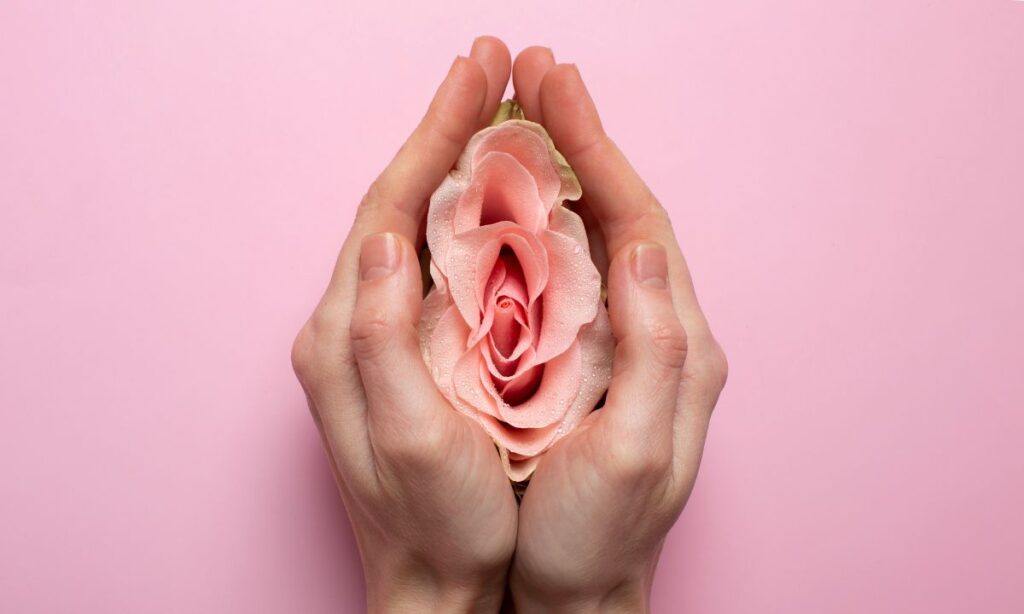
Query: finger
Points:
[615, 193]
[401, 394]
[397, 199]
[530, 67]
[494, 58]
[627, 211]
[620, 200]
[650, 352]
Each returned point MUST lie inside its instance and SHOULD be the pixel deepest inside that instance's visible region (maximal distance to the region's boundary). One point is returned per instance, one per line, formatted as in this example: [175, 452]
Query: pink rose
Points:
[514, 329]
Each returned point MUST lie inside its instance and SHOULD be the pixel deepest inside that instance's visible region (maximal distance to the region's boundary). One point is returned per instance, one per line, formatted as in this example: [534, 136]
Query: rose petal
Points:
[443, 202]
[530, 151]
[501, 190]
[473, 256]
[471, 397]
[558, 389]
[505, 330]
[596, 345]
[570, 185]
[567, 222]
[571, 296]
[447, 349]
[434, 305]
[506, 280]
[517, 467]
[506, 369]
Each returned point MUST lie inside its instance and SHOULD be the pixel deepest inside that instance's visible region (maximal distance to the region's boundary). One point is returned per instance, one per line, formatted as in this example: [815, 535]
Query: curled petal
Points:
[518, 467]
[530, 151]
[473, 256]
[569, 184]
[501, 190]
[571, 297]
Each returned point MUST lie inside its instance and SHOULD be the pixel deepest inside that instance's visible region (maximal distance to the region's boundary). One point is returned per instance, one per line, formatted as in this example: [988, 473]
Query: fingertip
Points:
[570, 114]
[494, 58]
[464, 91]
[488, 48]
[528, 71]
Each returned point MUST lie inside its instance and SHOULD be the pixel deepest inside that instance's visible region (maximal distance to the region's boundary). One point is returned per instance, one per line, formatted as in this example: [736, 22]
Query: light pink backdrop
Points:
[847, 180]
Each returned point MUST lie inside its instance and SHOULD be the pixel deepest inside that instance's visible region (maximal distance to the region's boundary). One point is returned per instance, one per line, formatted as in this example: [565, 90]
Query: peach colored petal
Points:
[473, 256]
[571, 297]
[522, 386]
[500, 190]
[505, 330]
[570, 186]
[435, 304]
[472, 399]
[530, 150]
[567, 222]
[507, 138]
[505, 369]
[518, 467]
[596, 345]
[558, 389]
[447, 349]
[506, 280]
[528, 442]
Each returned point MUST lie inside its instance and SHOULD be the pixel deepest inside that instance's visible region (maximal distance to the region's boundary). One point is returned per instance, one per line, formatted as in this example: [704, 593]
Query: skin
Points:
[434, 516]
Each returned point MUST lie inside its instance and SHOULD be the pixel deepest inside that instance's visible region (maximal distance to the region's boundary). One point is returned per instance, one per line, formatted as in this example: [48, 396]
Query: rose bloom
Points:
[514, 328]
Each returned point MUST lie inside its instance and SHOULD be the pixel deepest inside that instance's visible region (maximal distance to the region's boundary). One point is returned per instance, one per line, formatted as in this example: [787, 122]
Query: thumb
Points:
[651, 346]
[401, 395]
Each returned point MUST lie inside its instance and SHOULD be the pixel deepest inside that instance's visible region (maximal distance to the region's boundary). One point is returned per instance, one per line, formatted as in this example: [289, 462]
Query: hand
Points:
[597, 510]
[432, 510]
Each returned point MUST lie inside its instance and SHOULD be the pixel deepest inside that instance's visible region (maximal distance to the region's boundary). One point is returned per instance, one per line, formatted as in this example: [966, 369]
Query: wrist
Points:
[629, 594]
[419, 587]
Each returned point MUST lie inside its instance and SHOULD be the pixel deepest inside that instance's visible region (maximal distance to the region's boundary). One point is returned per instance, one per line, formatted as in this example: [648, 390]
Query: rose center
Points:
[505, 329]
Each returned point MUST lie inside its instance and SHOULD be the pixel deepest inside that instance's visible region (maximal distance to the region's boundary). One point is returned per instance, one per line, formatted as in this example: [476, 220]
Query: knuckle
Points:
[448, 132]
[374, 198]
[719, 366]
[638, 460]
[412, 447]
[303, 348]
[370, 331]
[318, 346]
[705, 376]
[311, 352]
[668, 342]
[710, 367]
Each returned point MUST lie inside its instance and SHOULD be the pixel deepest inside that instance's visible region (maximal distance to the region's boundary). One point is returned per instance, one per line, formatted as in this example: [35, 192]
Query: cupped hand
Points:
[597, 510]
[431, 508]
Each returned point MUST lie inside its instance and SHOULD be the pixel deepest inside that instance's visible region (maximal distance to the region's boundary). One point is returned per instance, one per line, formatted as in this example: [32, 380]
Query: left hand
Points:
[431, 508]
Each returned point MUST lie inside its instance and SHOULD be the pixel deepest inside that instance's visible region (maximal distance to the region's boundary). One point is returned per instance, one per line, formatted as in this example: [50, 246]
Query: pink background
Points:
[847, 180]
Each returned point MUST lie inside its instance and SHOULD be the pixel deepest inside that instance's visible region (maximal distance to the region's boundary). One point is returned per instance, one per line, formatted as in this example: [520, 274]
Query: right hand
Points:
[597, 510]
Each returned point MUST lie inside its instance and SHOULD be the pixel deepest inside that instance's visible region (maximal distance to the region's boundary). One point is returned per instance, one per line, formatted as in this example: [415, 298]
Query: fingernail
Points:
[378, 257]
[474, 50]
[457, 65]
[542, 49]
[650, 265]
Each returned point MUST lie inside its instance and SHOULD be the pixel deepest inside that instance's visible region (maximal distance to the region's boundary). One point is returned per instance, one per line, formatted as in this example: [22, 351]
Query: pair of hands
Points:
[435, 518]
